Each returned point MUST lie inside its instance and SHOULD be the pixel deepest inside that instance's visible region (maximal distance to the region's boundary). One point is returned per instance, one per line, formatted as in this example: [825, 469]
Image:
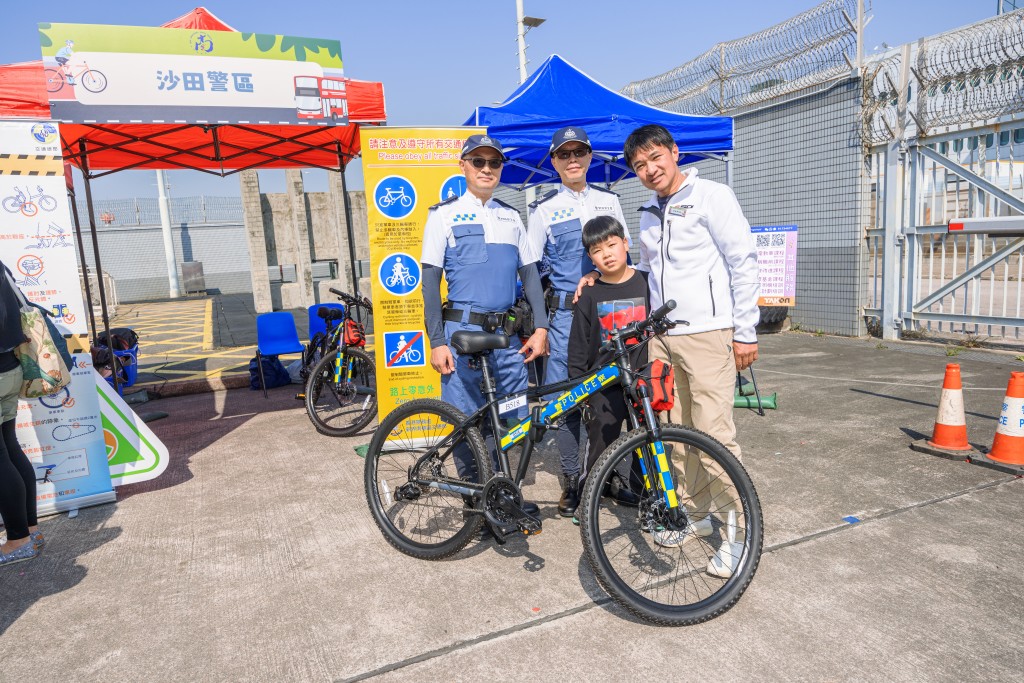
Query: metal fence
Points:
[944, 130]
[818, 45]
[202, 210]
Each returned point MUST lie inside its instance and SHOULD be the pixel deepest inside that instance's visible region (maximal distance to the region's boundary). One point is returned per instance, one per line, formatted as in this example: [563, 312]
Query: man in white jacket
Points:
[697, 247]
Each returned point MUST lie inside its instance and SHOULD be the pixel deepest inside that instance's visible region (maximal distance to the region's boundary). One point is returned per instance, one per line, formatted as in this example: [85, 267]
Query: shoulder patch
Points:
[447, 201]
[601, 189]
[549, 195]
[501, 203]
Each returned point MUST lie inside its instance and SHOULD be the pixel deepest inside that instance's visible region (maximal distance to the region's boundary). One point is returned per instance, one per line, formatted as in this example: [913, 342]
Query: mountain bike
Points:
[91, 79]
[429, 484]
[341, 390]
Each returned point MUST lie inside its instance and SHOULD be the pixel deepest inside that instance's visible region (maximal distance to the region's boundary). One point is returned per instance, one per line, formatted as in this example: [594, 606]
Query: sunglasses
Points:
[480, 162]
[579, 153]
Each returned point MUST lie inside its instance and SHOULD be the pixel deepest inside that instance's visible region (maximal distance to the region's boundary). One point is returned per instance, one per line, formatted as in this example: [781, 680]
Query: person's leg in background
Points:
[567, 435]
[17, 478]
[705, 374]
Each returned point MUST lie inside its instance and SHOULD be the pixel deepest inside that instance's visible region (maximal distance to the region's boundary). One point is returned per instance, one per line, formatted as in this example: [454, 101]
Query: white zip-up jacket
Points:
[701, 253]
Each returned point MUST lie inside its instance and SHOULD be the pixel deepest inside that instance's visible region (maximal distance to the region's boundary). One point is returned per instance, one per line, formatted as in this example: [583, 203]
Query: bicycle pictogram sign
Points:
[405, 349]
[395, 197]
[453, 187]
[399, 274]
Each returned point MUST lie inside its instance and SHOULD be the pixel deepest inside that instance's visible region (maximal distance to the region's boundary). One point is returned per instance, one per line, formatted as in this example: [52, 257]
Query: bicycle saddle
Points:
[330, 313]
[468, 342]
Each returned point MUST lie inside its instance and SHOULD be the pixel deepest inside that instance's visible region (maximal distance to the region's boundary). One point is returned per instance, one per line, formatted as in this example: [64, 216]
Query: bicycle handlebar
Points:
[352, 300]
[655, 321]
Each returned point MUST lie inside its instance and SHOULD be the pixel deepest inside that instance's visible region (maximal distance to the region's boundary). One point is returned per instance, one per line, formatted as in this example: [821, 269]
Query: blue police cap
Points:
[475, 141]
[568, 134]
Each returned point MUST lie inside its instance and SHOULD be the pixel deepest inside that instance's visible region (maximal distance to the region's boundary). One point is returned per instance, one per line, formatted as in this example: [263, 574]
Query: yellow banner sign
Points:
[405, 171]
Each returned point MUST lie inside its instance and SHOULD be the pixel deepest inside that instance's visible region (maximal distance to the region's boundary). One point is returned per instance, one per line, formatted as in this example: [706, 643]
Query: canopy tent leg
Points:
[348, 223]
[85, 266]
[99, 267]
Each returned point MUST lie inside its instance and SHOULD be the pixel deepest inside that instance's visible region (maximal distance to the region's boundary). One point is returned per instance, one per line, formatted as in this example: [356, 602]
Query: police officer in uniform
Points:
[555, 231]
[480, 245]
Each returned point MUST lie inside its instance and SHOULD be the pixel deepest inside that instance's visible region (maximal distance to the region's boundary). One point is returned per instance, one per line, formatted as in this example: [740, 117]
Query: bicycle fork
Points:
[653, 459]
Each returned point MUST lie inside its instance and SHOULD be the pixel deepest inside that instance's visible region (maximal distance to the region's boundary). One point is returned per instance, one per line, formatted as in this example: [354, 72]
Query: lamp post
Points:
[165, 230]
[523, 26]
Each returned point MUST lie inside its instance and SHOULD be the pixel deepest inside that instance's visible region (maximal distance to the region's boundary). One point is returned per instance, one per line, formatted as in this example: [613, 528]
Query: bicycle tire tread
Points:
[325, 429]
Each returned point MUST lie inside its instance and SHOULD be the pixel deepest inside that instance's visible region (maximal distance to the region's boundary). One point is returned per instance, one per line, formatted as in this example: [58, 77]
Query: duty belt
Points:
[556, 299]
[489, 321]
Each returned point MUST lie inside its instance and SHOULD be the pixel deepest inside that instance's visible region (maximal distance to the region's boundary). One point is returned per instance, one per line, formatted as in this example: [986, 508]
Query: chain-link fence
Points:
[813, 47]
[202, 210]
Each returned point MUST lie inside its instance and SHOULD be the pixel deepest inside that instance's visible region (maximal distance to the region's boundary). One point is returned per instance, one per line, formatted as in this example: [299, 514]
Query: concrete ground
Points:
[254, 557]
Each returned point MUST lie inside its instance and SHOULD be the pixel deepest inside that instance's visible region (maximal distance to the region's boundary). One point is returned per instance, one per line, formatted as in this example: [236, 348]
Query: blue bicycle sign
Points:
[395, 197]
[399, 274]
[453, 187]
[404, 349]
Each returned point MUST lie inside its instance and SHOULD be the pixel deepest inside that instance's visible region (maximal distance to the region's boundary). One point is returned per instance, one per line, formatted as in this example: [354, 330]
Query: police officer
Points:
[480, 245]
[555, 231]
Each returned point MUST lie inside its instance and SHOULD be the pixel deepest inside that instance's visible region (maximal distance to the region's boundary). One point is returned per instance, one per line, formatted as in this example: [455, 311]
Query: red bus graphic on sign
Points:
[320, 98]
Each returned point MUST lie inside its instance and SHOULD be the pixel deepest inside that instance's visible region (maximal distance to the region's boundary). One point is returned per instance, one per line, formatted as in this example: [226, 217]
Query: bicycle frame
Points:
[619, 370]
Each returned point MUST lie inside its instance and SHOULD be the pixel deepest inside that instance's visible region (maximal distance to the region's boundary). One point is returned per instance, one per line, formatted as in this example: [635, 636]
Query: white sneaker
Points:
[725, 561]
[673, 539]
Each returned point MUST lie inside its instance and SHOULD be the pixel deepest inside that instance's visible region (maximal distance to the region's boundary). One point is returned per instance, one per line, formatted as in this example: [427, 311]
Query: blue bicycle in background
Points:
[677, 558]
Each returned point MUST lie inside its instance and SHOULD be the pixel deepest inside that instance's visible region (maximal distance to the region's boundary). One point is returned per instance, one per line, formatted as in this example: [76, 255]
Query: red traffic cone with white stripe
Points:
[950, 430]
[1008, 444]
[949, 437]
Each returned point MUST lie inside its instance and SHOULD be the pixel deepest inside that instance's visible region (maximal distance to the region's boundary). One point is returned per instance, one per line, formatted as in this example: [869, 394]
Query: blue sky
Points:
[440, 59]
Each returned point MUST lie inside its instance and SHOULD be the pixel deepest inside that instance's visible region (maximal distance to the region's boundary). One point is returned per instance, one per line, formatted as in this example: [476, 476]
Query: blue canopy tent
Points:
[557, 95]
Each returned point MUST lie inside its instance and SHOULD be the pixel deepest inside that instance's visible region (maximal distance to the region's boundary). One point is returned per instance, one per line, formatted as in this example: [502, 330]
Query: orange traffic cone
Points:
[950, 431]
[1008, 445]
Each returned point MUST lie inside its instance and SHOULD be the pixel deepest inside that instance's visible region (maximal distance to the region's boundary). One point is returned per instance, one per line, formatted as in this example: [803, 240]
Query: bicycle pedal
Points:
[300, 397]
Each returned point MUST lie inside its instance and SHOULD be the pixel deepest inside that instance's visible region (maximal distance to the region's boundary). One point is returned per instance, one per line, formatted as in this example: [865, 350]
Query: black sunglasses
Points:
[579, 153]
[480, 162]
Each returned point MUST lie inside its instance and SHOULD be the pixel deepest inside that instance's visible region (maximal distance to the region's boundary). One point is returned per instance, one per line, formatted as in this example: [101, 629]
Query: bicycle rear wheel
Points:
[341, 406]
[668, 572]
[410, 504]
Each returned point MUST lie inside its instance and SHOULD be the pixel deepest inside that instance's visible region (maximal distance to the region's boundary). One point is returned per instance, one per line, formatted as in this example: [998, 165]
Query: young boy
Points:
[617, 298]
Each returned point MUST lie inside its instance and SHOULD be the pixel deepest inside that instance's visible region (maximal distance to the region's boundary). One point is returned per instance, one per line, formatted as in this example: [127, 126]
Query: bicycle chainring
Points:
[497, 491]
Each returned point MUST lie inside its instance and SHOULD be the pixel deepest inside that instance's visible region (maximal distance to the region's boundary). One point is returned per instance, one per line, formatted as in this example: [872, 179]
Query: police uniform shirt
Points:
[556, 230]
[480, 246]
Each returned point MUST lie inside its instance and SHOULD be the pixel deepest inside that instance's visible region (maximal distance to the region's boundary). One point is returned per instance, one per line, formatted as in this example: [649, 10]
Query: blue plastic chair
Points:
[275, 335]
[316, 323]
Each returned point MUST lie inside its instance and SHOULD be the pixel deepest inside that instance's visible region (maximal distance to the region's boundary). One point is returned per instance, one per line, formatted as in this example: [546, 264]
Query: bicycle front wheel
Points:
[94, 81]
[342, 404]
[47, 202]
[666, 569]
[414, 505]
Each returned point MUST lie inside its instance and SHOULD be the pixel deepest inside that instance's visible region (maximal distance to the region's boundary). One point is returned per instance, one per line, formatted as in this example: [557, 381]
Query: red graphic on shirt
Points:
[617, 313]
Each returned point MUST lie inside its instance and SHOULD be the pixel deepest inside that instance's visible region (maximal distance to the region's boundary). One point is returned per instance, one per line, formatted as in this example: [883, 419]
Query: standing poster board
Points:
[776, 262]
[405, 171]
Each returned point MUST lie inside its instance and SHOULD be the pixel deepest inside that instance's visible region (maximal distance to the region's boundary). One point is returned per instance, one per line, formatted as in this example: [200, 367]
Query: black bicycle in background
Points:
[341, 384]
[674, 559]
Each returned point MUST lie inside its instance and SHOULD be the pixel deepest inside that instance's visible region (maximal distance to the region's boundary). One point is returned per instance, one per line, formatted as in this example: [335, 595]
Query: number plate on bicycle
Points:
[511, 404]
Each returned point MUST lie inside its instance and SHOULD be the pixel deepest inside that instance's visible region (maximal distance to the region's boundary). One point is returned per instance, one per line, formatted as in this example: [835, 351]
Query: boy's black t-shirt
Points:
[601, 308]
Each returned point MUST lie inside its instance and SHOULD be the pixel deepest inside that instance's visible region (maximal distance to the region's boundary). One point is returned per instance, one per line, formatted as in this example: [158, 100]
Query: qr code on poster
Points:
[774, 240]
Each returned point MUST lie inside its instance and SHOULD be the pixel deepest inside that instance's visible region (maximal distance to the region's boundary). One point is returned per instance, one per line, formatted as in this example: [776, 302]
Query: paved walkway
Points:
[254, 557]
[197, 343]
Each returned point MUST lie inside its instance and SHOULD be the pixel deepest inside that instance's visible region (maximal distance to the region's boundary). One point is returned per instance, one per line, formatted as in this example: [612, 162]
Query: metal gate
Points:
[944, 182]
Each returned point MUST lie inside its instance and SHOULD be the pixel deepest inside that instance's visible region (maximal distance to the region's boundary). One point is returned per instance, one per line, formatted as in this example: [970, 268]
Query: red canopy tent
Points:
[219, 149]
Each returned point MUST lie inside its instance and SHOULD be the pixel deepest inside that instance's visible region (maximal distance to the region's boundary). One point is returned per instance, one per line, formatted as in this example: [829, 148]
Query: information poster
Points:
[36, 235]
[62, 435]
[405, 171]
[776, 261]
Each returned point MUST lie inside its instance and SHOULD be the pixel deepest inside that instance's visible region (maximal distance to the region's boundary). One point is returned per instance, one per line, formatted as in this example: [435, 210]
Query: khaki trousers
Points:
[705, 380]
